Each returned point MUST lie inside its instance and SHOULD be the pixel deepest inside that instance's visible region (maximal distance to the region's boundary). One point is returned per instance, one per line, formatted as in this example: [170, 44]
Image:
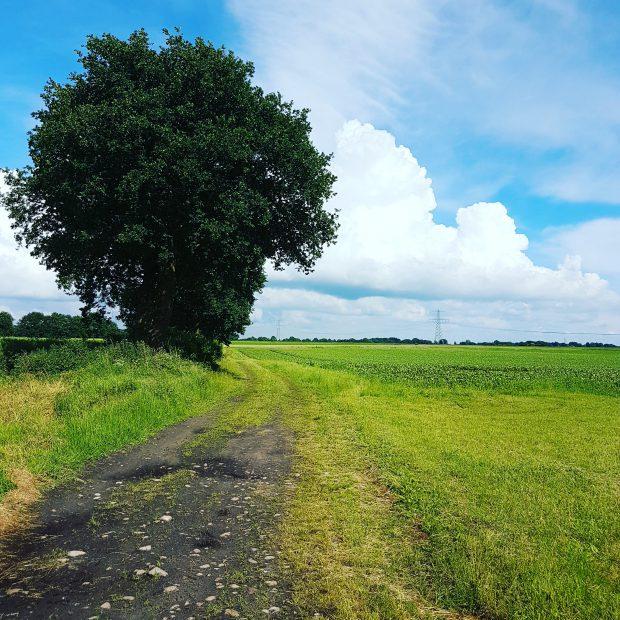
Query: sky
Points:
[476, 145]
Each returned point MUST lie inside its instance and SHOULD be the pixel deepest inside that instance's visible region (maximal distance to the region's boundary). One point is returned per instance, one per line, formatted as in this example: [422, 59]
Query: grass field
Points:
[429, 480]
[504, 464]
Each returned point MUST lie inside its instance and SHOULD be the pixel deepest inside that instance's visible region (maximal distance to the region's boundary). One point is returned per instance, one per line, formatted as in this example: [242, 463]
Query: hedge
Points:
[11, 347]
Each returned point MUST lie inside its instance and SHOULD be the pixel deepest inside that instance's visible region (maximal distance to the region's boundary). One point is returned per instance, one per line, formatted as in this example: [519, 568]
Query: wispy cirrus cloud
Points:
[524, 74]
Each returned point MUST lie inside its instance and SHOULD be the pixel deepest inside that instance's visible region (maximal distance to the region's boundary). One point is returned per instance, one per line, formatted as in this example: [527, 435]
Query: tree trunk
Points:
[163, 306]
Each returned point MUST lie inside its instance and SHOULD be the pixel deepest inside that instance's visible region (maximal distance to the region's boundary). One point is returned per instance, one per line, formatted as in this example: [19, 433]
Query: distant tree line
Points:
[539, 343]
[56, 325]
[394, 340]
[389, 340]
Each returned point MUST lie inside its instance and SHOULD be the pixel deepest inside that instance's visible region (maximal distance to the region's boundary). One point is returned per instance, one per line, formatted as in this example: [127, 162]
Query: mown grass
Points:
[51, 426]
[349, 550]
[510, 499]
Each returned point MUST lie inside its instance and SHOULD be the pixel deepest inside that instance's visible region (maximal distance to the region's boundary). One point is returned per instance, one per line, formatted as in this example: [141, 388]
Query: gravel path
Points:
[168, 529]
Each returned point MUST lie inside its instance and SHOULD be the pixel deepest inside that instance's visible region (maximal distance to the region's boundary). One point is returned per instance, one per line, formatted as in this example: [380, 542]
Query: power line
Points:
[536, 331]
[439, 335]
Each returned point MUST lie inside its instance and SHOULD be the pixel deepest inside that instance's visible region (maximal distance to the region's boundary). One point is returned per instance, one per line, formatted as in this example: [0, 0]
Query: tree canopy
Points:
[56, 325]
[6, 324]
[161, 182]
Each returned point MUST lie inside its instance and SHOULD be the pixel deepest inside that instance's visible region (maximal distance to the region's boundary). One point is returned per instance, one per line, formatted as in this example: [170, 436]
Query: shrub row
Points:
[20, 355]
[44, 354]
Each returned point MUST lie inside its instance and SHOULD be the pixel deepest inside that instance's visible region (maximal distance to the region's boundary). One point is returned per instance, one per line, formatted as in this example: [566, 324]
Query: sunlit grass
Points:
[51, 427]
[515, 495]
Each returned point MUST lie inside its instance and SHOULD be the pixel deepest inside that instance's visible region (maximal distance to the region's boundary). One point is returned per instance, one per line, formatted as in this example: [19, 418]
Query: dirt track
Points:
[201, 514]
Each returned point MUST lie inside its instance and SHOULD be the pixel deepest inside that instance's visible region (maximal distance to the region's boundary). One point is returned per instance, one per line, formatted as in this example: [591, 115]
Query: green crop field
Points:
[502, 468]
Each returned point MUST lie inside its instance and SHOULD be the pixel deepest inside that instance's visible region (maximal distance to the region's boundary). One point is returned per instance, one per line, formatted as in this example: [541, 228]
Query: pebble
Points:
[76, 553]
[169, 589]
[106, 605]
[158, 572]
[12, 591]
[145, 548]
[271, 584]
[165, 518]
[210, 599]
[129, 598]
[231, 613]
[139, 571]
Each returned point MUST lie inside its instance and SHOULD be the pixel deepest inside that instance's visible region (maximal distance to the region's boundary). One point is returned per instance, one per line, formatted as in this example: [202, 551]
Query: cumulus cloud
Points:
[595, 242]
[303, 312]
[21, 276]
[452, 77]
[390, 242]
[283, 299]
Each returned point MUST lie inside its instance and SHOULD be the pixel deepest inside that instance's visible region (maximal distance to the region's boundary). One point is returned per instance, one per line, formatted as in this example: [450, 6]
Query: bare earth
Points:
[198, 515]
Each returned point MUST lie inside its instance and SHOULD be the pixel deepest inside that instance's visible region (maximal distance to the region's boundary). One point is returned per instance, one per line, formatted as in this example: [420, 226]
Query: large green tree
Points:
[162, 180]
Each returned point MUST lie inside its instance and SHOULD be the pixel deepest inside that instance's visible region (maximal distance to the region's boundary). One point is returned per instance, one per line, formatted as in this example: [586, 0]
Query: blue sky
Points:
[500, 102]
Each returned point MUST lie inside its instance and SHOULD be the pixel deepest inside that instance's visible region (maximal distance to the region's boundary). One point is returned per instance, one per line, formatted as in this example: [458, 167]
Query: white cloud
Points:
[305, 313]
[444, 73]
[21, 276]
[310, 313]
[283, 299]
[389, 241]
[530, 78]
[595, 241]
[341, 59]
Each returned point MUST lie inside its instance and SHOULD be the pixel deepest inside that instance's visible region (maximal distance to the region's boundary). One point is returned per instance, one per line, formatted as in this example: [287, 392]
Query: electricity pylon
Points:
[438, 320]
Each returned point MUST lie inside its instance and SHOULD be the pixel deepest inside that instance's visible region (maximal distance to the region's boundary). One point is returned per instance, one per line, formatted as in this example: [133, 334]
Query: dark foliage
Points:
[56, 358]
[6, 324]
[12, 349]
[161, 182]
[55, 325]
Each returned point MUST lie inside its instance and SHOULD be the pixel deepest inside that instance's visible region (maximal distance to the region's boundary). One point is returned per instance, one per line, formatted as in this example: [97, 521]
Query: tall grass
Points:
[51, 424]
